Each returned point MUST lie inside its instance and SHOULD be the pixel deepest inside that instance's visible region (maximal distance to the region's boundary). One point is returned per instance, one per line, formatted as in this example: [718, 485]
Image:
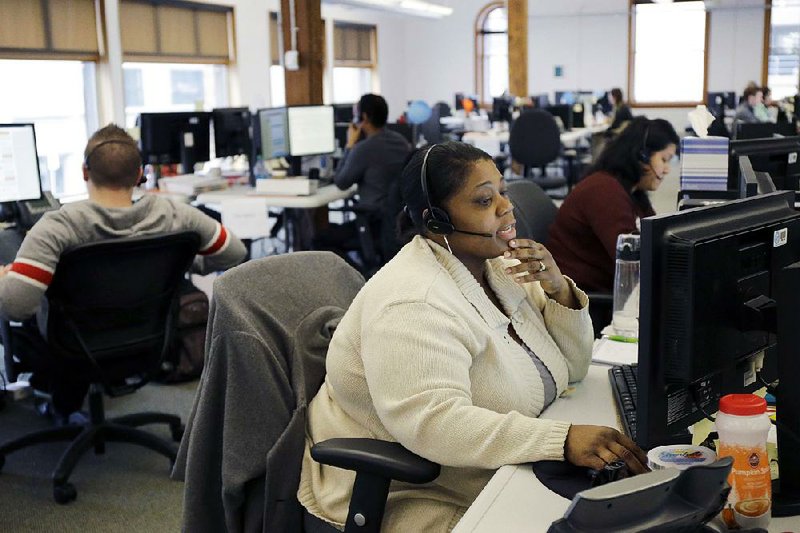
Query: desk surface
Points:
[323, 196]
[515, 500]
[490, 141]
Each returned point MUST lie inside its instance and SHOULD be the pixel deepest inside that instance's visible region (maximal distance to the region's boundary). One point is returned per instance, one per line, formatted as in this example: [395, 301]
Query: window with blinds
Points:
[354, 45]
[176, 32]
[49, 29]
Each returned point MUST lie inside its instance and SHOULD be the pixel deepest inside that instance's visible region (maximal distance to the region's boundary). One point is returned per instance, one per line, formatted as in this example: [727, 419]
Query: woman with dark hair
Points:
[610, 200]
[621, 113]
[453, 349]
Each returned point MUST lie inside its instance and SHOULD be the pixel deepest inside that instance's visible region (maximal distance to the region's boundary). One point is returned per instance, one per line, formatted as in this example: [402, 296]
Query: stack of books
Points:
[704, 163]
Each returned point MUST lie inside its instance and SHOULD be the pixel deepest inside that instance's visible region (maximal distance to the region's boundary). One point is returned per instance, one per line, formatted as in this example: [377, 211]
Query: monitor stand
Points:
[296, 165]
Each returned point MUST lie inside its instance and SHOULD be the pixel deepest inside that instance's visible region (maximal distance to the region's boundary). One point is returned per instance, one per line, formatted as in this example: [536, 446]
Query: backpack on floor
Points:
[186, 355]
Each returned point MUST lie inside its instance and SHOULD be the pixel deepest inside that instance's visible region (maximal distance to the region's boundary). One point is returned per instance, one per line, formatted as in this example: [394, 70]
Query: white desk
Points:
[491, 141]
[515, 500]
[323, 196]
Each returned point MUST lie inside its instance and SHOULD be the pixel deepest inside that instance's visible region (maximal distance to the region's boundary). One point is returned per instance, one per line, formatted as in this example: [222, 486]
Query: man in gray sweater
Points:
[112, 168]
[373, 159]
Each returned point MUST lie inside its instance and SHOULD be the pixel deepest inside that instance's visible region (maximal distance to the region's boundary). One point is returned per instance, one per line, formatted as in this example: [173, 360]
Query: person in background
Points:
[373, 158]
[621, 113]
[751, 99]
[610, 200]
[761, 110]
[112, 168]
[454, 349]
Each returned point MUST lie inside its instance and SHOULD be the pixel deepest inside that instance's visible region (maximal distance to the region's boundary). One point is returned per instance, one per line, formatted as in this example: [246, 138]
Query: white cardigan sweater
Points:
[423, 357]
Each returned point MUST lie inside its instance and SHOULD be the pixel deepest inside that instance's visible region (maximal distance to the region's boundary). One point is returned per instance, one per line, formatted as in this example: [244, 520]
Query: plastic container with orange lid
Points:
[743, 425]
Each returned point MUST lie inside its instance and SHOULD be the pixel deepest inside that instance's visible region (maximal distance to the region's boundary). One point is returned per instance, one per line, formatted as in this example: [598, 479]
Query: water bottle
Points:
[743, 425]
[625, 319]
[260, 169]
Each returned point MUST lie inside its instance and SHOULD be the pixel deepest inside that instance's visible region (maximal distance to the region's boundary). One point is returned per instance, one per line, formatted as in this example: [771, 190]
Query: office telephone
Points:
[30, 211]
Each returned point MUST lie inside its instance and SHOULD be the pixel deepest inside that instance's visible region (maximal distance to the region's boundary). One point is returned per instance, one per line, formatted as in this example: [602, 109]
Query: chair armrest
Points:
[601, 297]
[377, 457]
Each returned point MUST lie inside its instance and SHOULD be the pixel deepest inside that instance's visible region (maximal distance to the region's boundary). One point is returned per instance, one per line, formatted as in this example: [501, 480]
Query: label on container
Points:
[750, 498]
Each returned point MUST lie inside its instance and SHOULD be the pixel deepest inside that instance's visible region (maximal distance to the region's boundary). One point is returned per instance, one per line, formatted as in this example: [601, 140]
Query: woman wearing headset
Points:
[453, 349]
[610, 200]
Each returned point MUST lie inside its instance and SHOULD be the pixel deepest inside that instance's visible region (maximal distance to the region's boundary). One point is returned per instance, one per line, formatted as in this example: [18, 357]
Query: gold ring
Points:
[542, 267]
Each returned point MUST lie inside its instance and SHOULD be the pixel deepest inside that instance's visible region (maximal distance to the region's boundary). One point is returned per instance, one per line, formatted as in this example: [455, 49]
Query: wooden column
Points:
[518, 47]
[304, 86]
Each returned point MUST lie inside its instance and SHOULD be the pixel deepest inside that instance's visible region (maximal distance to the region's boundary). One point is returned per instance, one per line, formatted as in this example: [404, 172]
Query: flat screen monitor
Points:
[755, 130]
[460, 97]
[232, 131]
[540, 101]
[777, 156]
[273, 133]
[501, 109]
[752, 183]
[19, 163]
[718, 298]
[343, 113]
[566, 97]
[311, 130]
[564, 112]
[406, 130]
[720, 101]
[181, 137]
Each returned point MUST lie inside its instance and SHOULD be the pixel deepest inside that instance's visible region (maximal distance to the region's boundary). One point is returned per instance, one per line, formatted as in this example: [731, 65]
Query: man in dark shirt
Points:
[373, 159]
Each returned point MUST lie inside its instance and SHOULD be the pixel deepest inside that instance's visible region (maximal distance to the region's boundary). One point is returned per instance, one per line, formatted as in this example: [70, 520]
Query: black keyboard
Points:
[623, 383]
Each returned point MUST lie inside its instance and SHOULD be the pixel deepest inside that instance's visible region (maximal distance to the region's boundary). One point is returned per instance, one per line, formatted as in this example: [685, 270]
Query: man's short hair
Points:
[112, 158]
[376, 109]
[750, 91]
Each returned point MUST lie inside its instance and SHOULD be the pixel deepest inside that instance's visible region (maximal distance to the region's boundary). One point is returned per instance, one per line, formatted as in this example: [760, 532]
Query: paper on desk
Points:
[611, 352]
[245, 217]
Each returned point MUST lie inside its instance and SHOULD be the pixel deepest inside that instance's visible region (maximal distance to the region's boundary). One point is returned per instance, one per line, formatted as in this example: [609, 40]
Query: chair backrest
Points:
[115, 299]
[533, 209]
[534, 139]
[270, 324]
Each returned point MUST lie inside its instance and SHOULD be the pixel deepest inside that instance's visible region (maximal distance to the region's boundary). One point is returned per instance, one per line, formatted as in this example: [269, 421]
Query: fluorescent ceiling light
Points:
[419, 8]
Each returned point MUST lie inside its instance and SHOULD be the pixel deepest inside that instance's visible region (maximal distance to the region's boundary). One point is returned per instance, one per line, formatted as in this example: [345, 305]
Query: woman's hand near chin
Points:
[537, 264]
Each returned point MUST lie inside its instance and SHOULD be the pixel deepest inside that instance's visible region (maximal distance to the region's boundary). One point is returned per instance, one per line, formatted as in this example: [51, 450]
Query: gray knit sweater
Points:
[83, 222]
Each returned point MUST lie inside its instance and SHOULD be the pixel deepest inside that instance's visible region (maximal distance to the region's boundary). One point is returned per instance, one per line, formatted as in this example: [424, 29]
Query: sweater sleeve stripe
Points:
[32, 272]
[218, 242]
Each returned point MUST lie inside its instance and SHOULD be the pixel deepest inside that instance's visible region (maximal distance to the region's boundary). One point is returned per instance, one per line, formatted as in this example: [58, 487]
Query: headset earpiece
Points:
[437, 221]
[644, 154]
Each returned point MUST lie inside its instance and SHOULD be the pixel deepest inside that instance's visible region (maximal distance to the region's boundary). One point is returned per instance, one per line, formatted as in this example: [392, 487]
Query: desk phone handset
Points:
[30, 211]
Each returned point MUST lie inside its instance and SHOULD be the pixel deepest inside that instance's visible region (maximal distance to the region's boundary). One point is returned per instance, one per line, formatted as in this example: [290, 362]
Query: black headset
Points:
[644, 154]
[436, 220]
[109, 141]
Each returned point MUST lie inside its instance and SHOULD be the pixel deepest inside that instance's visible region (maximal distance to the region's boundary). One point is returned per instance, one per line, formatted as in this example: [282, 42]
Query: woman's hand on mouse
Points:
[597, 446]
[537, 264]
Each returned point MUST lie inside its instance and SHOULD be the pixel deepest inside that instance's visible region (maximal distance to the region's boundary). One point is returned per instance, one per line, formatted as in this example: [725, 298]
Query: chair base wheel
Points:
[65, 493]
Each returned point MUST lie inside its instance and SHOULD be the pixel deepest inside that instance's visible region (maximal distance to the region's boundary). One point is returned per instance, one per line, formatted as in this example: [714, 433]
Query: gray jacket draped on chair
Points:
[270, 324]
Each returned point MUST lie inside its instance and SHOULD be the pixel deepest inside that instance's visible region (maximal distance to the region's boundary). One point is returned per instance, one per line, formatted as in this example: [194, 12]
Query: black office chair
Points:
[111, 308]
[535, 212]
[535, 142]
[265, 360]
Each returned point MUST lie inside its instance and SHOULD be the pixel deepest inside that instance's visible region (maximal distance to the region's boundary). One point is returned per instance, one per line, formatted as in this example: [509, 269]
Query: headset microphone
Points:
[477, 234]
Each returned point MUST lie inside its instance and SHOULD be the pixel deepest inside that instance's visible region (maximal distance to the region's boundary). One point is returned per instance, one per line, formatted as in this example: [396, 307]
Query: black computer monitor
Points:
[404, 129]
[343, 113]
[755, 130]
[540, 101]
[778, 156]
[603, 103]
[502, 109]
[719, 288]
[181, 137]
[460, 97]
[19, 164]
[564, 112]
[566, 97]
[751, 182]
[232, 131]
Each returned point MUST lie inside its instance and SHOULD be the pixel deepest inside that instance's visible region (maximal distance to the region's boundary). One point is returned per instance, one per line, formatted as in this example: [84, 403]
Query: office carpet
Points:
[126, 489]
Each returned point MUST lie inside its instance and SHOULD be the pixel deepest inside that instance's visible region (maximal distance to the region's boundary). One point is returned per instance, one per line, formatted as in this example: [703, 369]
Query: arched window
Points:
[491, 47]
